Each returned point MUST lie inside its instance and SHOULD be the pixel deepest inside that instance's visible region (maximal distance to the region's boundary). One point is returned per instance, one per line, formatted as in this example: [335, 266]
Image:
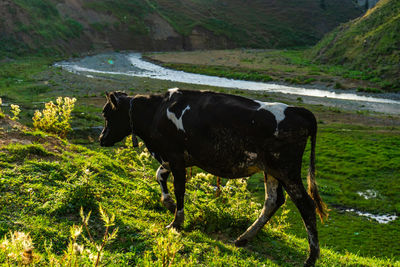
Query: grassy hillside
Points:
[370, 43]
[45, 181]
[79, 26]
[36, 26]
[258, 23]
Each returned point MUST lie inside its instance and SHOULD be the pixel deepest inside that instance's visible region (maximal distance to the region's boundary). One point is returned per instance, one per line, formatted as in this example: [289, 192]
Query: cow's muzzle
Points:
[103, 141]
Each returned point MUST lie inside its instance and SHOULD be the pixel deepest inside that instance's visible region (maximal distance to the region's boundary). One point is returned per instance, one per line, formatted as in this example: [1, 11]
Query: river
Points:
[132, 64]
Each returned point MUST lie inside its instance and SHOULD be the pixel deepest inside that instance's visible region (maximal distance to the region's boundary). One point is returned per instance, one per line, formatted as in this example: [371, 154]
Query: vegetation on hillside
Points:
[35, 26]
[370, 43]
[47, 27]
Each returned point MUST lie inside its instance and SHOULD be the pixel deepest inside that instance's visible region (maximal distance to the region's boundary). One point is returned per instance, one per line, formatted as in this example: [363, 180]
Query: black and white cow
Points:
[229, 136]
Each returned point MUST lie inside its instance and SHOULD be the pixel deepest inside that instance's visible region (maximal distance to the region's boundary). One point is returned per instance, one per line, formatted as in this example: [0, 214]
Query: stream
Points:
[132, 64]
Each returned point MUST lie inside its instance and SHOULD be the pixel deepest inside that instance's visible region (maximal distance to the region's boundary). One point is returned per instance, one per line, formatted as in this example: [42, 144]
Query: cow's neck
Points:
[143, 108]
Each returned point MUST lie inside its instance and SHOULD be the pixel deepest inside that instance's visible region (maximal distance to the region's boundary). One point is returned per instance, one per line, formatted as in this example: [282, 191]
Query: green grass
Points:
[353, 159]
[44, 183]
[42, 192]
[231, 73]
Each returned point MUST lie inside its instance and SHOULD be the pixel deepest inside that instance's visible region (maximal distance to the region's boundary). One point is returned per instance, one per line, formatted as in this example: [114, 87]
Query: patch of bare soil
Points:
[12, 132]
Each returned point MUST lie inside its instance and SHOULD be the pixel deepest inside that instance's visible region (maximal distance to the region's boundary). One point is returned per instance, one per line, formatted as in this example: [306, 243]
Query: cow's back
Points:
[223, 131]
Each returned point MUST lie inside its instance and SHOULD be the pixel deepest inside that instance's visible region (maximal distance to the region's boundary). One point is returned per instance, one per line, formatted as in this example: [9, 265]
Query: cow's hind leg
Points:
[306, 206]
[274, 198]
[166, 199]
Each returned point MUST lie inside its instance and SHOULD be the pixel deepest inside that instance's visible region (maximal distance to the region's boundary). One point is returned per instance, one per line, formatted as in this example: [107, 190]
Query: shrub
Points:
[15, 111]
[55, 117]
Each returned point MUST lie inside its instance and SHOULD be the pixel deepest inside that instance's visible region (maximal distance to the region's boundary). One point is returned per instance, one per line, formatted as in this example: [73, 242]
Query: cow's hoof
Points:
[241, 242]
[178, 220]
[309, 263]
[173, 225]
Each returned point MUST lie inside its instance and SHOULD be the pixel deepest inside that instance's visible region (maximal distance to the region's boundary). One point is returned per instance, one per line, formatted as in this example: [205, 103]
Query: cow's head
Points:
[117, 121]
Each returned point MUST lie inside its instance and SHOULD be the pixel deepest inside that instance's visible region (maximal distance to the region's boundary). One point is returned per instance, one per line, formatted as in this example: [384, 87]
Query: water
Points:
[132, 64]
[384, 218]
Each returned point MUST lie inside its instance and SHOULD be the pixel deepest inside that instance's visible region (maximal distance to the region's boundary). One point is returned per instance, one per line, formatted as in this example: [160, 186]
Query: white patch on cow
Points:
[178, 122]
[160, 172]
[276, 155]
[173, 91]
[277, 109]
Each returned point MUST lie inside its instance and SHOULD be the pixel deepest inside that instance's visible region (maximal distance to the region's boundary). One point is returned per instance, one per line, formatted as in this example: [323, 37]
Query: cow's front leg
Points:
[166, 199]
[179, 173]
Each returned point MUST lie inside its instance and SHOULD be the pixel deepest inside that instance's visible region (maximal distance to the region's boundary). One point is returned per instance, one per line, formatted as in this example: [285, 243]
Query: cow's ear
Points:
[113, 100]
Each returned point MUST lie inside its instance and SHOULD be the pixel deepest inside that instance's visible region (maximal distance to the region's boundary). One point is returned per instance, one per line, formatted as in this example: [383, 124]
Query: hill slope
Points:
[82, 25]
[369, 43]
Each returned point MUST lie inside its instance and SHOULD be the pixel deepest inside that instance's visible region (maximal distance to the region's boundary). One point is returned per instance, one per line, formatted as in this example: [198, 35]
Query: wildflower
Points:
[78, 249]
[75, 231]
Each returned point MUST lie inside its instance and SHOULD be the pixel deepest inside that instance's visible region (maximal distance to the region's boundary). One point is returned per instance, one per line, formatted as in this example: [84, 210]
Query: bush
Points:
[55, 117]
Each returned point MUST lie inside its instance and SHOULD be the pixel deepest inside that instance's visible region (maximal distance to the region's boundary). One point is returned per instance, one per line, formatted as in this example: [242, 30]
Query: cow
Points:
[226, 135]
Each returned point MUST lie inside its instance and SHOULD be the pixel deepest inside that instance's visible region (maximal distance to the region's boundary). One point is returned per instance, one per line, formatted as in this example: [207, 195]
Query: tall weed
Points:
[17, 249]
[54, 118]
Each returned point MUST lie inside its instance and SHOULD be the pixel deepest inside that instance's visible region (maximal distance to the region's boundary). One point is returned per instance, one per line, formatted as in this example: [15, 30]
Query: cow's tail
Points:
[321, 207]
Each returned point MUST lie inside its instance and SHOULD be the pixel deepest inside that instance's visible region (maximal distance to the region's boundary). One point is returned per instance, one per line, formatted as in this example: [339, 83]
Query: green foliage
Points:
[55, 117]
[369, 43]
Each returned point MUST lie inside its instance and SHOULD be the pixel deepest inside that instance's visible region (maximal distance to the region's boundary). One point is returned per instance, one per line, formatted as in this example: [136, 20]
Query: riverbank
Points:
[132, 64]
[284, 66]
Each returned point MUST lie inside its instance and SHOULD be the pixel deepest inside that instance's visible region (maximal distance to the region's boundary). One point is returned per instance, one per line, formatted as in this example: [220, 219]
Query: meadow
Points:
[45, 180]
